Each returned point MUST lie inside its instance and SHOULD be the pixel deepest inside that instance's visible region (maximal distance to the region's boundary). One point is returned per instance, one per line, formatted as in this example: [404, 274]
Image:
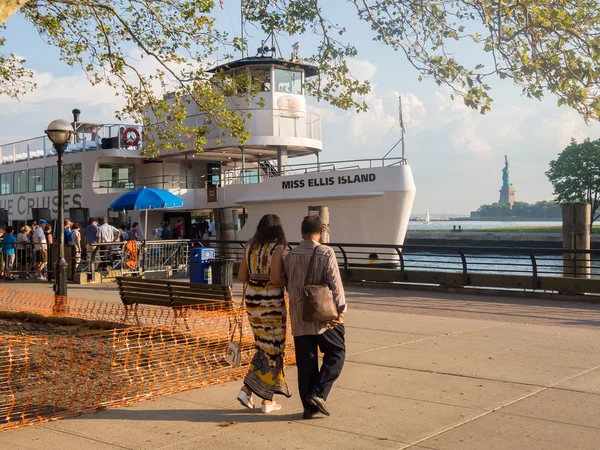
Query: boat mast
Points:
[403, 130]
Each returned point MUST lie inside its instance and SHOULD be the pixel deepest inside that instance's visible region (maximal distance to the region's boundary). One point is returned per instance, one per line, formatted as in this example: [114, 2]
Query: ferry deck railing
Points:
[268, 122]
[41, 147]
[234, 176]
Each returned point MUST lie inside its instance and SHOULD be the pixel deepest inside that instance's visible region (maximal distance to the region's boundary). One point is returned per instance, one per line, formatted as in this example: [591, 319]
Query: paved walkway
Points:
[424, 371]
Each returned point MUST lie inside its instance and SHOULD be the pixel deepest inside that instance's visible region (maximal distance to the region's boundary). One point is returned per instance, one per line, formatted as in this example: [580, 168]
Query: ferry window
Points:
[288, 81]
[73, 176]
[261, 79]
[51, 178]
[20, 182]
[36, 178]
[117, 176]
[6, 183]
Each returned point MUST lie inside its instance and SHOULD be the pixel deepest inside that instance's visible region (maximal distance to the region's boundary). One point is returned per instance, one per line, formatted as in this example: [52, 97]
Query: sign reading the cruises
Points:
[329, 181]
[22, 205]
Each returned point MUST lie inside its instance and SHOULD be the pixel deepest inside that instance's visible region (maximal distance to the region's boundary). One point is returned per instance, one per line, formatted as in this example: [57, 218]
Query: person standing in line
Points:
[178, 230]
[195, 233]
[9, 242]
[135, 234]
[90, 237]
[48, 233]
[157, 233]
[204, 229]
[108, 234]
[22, 241]
[1, 253]
[314, 385]
[212, 230]
[34, 225]
[22, 253]
[76, 243]
[41, 249]
[166, 233]
[68, 240]
[262, 269]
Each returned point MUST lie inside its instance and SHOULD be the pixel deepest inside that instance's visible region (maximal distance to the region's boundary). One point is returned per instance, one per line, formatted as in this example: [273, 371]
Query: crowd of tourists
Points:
[308, 272]
[26, 254]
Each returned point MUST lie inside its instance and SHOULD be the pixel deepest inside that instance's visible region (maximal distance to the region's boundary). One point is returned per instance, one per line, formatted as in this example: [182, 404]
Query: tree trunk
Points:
[8, 8]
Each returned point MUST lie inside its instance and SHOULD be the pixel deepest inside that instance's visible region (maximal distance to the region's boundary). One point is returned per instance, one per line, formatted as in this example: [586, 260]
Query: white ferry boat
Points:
[369, 200]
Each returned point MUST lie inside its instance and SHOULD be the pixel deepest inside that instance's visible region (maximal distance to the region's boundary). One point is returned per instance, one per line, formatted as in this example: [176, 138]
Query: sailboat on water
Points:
[427, 219]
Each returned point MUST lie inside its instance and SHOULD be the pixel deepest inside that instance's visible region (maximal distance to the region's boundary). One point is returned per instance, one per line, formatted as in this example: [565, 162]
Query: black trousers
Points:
[333, 346]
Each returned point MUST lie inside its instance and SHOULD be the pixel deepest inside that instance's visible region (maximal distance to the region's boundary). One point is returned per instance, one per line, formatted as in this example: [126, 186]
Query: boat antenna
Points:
[402, 128]
[403, 131]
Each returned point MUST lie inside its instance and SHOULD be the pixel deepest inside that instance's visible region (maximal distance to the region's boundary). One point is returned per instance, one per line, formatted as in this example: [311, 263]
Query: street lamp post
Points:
[60, 132]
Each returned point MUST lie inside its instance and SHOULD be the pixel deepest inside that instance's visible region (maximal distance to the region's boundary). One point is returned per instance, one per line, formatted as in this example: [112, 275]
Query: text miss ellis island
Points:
[329, 181]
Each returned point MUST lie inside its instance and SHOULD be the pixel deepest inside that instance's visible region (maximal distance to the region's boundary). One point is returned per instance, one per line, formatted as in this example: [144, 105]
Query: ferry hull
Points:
[365, 205]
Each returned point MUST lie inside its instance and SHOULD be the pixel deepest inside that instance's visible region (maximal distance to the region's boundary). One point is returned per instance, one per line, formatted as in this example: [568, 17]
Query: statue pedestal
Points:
[507, 195]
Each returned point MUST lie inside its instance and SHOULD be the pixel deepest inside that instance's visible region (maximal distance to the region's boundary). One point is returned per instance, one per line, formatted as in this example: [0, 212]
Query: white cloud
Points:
[371, 126]
[362, 69]
[560, 127]
[466, 139]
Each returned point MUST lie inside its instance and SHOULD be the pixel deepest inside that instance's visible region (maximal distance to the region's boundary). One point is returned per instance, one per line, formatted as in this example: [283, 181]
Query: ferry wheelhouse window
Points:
[20, 182]
[261, 79]
[117, 176]
[73, 179]
[289, 81]
[36, 179]
[6, 183]
[51, 178]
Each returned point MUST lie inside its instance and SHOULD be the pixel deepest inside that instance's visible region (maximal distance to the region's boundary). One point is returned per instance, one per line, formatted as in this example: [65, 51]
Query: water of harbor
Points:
[503, 262]
[414, 225]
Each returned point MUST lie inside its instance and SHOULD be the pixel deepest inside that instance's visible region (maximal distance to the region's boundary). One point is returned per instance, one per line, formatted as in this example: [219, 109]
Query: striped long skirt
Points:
[265, 305]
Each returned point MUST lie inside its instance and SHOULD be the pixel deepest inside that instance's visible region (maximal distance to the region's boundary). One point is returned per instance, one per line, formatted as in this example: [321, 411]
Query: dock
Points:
[423, 371]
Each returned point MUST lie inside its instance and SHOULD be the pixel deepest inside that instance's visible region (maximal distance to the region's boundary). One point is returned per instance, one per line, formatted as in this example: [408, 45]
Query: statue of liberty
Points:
[506, 174]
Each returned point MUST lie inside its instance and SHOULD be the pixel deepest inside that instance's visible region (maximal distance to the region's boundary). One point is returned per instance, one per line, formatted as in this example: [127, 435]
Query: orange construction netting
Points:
[65, 367]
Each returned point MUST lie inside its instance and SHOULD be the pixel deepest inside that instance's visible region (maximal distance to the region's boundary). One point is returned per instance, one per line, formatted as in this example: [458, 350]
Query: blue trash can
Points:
[200, 269]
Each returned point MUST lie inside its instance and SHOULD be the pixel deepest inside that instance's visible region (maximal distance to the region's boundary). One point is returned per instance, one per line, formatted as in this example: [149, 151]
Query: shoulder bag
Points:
[234, 350]
[317, 300]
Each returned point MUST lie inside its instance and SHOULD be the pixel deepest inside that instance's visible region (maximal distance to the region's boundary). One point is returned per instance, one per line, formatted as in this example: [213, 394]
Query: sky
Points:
[456, 154]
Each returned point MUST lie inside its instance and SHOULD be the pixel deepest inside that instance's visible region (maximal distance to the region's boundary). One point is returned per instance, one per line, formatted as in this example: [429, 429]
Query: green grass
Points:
[555, 229]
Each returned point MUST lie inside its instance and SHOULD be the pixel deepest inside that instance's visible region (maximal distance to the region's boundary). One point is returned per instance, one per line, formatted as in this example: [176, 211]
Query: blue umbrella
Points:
[145, 199]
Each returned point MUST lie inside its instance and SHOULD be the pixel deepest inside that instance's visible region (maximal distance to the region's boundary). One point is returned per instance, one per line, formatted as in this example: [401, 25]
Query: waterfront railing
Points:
[526, 269]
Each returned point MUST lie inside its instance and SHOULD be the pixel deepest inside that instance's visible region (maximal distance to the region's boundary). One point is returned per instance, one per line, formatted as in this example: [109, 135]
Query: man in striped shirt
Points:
[314, 384]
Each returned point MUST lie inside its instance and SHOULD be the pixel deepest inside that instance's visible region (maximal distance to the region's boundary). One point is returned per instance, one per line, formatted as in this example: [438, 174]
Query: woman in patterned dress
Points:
[262, 269]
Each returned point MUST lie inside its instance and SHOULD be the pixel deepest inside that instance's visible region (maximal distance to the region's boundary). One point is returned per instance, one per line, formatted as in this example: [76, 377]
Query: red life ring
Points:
[131, 137]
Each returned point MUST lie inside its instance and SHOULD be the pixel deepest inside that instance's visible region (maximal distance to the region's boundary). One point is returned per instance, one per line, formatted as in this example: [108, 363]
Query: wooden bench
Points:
[173, 294]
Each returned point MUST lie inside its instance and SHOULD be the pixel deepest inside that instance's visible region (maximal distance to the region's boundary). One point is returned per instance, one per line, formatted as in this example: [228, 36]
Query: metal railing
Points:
[41, 147]
[111, 259]
[236, 175]
[269, 122]
[523, 268]
[137, 257]
[536, 269]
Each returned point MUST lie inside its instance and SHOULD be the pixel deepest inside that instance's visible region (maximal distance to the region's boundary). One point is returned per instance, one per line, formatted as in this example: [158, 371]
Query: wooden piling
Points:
[576, 235]
[323, 213]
